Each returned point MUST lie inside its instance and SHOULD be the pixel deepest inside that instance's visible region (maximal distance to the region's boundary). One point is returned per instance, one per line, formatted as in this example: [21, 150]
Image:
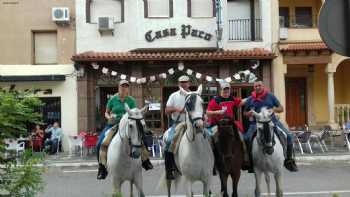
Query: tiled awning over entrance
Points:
[256, 53]
[306, 46]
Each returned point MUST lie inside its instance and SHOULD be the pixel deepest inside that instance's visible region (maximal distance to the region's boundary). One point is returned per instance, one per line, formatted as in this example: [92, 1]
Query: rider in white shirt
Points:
[175, 108]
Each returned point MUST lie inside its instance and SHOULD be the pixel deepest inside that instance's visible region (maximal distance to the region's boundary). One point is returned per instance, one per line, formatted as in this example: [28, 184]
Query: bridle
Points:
[266, 140]
[190, 101]
[140, 132]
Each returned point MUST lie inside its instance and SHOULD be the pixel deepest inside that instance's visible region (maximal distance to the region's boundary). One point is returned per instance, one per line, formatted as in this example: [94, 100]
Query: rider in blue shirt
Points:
[262, 98]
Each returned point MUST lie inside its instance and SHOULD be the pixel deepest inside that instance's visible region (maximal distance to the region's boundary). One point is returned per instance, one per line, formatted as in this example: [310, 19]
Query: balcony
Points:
[241, 30]
[299, 28]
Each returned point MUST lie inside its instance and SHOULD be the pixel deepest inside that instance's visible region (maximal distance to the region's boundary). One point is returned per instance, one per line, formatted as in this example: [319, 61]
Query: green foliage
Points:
[17, 110]
[335, 195]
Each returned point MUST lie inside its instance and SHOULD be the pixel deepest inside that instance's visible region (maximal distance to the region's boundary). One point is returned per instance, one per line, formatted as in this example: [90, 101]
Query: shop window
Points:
[51, 110]
[45, 47]
[284, 16]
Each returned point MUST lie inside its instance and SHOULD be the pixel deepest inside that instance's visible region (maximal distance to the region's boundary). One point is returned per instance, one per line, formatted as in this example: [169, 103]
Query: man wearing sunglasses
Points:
[260, 98]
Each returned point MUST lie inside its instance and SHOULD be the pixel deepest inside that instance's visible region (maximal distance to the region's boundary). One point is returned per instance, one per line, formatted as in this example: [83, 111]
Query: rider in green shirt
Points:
[114, 112]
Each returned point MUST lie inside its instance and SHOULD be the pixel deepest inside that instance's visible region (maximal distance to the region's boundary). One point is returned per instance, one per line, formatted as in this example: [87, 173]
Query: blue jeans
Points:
[252, 129]
[101, 138]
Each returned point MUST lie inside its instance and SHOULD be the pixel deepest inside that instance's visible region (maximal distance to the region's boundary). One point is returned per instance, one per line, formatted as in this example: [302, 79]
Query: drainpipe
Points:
[218, 24]
[252, 19]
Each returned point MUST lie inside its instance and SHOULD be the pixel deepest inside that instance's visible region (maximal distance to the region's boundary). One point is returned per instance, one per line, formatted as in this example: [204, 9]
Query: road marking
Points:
[273, 194]
[78, 171]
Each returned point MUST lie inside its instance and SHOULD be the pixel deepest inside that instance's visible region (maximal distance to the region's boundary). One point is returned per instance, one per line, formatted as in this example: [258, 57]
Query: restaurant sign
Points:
[185, 31]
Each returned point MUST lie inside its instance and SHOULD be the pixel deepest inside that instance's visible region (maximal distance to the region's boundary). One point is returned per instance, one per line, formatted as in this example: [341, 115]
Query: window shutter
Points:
[189, 9]
[45, 48]
[145, 7]
[88, 11]
[171, 8]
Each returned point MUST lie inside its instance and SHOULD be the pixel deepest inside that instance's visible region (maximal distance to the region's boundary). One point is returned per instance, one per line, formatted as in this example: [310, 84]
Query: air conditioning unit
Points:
[283, 29]
[105, 24]
[60, 14]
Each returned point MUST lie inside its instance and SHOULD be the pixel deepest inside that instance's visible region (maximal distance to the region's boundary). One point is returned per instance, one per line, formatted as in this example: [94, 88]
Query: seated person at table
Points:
[37, 137]
[56, 136]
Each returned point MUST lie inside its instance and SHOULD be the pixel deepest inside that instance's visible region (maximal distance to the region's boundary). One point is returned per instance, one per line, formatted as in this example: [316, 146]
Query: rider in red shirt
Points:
[223, 106]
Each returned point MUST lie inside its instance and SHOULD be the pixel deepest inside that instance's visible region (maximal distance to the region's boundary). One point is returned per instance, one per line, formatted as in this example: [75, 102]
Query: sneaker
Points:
[290, 165]
[102, 172]
[147, 165]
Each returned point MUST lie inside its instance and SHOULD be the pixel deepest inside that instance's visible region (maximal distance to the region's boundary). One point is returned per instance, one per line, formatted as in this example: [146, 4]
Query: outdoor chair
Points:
[303, 138]
[11, 145]
[74, 142]
[346, 132]
[319, 138]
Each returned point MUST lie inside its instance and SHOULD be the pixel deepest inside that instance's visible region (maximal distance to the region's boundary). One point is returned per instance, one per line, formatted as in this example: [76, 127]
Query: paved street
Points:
[315, 180]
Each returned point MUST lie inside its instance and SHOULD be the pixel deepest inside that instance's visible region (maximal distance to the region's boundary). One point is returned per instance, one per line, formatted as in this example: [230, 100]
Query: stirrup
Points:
[102, 172]
[290, 165]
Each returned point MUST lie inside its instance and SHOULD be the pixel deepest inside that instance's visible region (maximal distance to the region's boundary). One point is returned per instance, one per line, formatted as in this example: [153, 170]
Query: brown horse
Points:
[228, 152]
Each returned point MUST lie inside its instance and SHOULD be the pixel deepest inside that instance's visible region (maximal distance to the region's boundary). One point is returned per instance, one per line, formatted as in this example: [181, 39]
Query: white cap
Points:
[122, 82]
[224, 85]
[184, 78]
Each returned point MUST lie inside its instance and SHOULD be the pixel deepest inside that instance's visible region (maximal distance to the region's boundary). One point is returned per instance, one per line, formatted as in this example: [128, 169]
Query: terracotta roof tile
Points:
[312, 46]
[256, 53]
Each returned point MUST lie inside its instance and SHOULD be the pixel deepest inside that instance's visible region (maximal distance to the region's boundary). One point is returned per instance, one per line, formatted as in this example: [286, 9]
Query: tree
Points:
[17, 110]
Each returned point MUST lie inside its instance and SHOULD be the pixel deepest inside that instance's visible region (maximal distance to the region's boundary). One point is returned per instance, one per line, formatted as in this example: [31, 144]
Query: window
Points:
[107, 8]
[303, 17]
[45, 47]
[284, 16]
[201, 8]
[158, 8]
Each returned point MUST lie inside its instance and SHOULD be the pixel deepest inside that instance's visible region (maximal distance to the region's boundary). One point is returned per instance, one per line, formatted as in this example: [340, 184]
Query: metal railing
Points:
[342, 113]
[241, 30]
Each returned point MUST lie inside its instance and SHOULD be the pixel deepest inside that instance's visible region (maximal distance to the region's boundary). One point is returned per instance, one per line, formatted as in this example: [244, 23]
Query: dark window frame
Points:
[189, 10]
[287, 16]
[88, 11]
[303, 21]
[171, 10]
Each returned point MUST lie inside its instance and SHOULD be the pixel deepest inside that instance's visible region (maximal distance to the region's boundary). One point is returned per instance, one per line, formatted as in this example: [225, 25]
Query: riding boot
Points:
[147, 165]
[173, 164]
[250, 156]
[289, 162]
[246, 161]
[168, 166]
[102, 172]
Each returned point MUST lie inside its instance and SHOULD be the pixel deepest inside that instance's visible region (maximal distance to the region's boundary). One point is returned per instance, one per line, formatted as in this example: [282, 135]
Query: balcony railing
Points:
[241, 30]
[299, 21]
[342, 113]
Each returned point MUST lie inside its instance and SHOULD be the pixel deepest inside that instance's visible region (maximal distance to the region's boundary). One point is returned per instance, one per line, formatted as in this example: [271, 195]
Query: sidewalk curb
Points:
[325, 158]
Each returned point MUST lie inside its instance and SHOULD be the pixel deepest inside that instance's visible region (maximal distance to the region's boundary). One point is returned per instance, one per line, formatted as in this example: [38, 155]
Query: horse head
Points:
[194, 107]
[132, 125]
[265, 130]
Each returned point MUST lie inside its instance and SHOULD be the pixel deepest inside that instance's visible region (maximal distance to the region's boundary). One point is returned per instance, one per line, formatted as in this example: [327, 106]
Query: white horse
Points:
[194, 157]
[124, 151]
[267, 153]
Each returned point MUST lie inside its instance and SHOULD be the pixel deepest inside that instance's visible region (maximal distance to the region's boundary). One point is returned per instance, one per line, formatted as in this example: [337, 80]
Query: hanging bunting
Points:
[181, 66]
[152, 78]
[189, 71]
[198, 75]
[132, 79]
[104, 70]
[143, 80]
[162, 75]
[171, 71]
[237, 76]
[228, 79]
[113, 73]
[95, 65]
[209, 78]
[138, 81]
[122, 77]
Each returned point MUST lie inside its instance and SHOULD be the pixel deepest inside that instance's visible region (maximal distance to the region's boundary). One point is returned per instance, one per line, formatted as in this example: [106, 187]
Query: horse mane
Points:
[123, 123]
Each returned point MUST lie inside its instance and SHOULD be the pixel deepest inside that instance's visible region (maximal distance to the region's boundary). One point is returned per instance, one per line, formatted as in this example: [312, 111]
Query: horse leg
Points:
[168, 186]
[189, 188]
[206, 187]
[116, 187]
[223, 180]
[278, 180]
[138, 184]
[258, 175]
[235, 179]
[267, 180]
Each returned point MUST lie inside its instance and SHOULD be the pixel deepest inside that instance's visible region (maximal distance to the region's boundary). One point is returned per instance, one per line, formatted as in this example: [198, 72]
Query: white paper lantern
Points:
[171, 71]
[228, 79]
[219, 80]
[143, 80]
[138, 81]
[122, 77]
[209, 78]
[189, 71]
[181, 66]
[152, 78]
[113, 73]
[198, 75]
[95, 65]
[104, 70]
[133, 79]
[162, 75]
[237, 76]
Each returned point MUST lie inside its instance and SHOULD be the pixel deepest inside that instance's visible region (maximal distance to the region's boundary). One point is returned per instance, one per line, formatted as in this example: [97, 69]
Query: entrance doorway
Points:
[296, 101]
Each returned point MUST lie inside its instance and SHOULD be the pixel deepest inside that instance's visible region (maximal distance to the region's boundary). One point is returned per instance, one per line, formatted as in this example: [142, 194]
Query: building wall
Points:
[130, 34]
[20, 19]
[341, 85]
[64, 89]
[320, 97]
